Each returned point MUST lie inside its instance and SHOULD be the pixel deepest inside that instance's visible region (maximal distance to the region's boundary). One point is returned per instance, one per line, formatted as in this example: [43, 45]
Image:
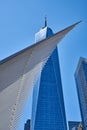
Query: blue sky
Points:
[21, 19]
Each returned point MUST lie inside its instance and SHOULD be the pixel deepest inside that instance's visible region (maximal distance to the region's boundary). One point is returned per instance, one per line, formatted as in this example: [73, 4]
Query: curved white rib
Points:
[17, 76]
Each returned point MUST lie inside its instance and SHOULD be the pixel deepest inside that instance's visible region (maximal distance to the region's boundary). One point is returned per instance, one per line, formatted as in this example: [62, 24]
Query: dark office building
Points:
[27, 125]
[73, 125]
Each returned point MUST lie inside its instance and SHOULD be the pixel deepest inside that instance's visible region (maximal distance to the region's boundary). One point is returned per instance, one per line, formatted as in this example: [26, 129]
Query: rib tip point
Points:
[79, 22]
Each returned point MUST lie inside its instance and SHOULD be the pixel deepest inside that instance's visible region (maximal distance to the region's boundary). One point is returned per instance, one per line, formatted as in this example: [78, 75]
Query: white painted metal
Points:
[17, 76]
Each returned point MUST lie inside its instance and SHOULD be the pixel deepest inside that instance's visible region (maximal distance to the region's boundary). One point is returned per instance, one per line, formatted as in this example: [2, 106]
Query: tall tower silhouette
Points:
[48, 112]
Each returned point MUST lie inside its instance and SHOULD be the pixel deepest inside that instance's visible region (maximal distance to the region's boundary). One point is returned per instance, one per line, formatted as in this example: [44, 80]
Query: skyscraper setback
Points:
[81, 83]
[48, 112]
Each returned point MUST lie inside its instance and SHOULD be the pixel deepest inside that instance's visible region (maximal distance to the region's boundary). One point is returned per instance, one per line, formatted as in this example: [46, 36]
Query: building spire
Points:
[45, 21]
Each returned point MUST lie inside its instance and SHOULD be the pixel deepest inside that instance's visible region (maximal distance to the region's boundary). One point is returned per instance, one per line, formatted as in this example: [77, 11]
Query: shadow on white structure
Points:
[18, 74]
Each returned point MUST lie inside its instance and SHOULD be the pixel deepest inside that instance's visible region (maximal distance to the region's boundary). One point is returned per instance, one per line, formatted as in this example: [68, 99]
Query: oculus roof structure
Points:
[18, 74]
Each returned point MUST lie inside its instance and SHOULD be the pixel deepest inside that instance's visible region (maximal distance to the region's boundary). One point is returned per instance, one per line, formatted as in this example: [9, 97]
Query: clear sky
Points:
[21, 19]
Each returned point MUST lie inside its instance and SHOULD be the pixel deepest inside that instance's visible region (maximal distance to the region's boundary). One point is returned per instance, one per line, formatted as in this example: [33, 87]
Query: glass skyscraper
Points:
[81, 83]
[48, 112]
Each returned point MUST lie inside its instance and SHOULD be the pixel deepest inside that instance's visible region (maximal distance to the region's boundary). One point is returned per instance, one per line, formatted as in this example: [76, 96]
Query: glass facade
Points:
[48, 112]
[81, 83]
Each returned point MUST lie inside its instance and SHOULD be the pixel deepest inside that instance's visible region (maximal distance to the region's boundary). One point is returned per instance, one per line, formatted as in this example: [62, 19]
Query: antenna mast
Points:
[45, 21]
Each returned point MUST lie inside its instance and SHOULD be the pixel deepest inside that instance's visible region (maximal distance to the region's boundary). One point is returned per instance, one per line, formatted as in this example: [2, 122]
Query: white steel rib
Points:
[18, 74]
